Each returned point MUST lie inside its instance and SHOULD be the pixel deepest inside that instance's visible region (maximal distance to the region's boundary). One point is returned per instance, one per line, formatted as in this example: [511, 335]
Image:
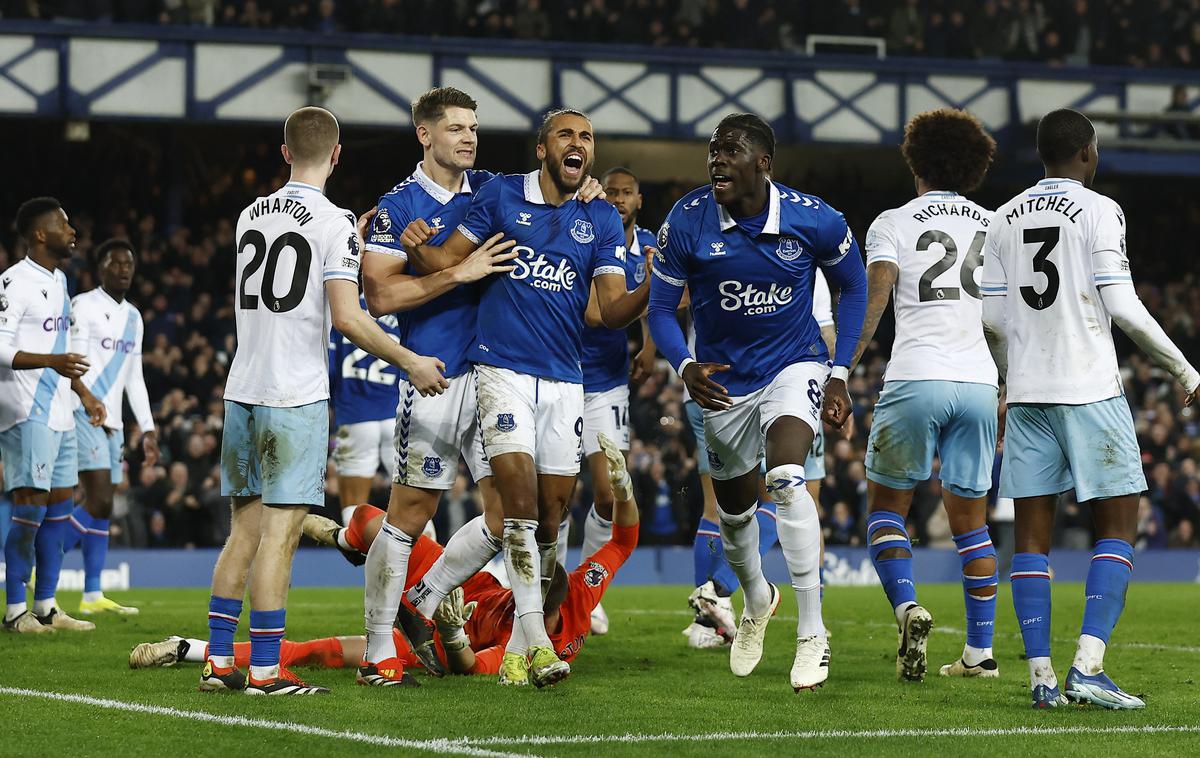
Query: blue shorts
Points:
[38, 457]
[913, 419]
[814, 465]
[1049, 449]
[99, 448]
[278, 453]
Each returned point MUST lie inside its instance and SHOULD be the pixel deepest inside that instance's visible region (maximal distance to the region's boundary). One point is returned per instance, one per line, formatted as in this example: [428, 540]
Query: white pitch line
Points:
[440, 745]
[829, 734]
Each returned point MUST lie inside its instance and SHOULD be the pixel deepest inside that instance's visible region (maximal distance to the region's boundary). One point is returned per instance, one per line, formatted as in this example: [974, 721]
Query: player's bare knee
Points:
[980, 578]
[883, 536]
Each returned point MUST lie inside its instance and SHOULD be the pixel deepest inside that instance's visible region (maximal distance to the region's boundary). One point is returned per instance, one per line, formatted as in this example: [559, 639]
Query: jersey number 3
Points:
[1048, 237]
[295, 292]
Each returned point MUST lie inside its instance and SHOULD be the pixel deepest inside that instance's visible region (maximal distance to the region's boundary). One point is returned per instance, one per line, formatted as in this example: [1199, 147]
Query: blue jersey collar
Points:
[772, 225]
[435, 190]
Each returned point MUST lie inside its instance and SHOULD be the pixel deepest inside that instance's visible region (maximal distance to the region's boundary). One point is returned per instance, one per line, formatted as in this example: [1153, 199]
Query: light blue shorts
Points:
[814, 465]
[99, 448]
[915, 419]
[38, 457]
[1049, 449]
[278, 453]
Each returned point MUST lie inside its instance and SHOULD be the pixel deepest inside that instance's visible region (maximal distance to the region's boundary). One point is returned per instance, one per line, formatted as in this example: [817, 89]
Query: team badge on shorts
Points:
[505, 422]
[581, 231]
[789, 249]
[432, 466]
[714, 461]
[595, 574]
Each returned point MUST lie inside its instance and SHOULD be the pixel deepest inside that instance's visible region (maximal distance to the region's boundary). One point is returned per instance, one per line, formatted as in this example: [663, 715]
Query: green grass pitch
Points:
[639, 683]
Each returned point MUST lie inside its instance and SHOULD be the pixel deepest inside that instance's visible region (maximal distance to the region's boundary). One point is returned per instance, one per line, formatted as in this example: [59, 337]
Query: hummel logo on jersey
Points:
[751, 300]
[718, 248]
[523, 219]
[540, 272]
[436, 224]
[789, 249]
[581, 232]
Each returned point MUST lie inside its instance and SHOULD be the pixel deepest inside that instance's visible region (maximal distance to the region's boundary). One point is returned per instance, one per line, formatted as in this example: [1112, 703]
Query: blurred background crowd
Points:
[1059, 32]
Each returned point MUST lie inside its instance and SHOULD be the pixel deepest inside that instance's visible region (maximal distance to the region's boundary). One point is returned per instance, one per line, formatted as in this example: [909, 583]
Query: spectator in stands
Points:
[991, 31]
[906, 29]
[1151, 529]
[530, 21]
[1181, 104]
[1184, 536]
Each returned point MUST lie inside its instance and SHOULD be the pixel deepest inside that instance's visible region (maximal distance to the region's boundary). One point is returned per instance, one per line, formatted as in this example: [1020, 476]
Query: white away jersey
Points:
[110, 335]
[1048, 252]
[35, 317]
[936, 240]
[289, 244]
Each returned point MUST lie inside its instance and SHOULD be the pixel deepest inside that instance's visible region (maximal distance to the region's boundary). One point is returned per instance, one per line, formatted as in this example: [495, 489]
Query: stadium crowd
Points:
[183, 286]
[1154, 33]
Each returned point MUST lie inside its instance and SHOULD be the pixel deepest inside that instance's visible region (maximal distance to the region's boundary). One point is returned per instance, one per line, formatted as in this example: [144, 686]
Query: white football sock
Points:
[468, 551]
[43, 607]
[13, 610]
[560, 550]
[973, 656]
[344, 543]
[739, 532]
[91, 597]
[800, 538]
[347, 514]
[385, 571]
[523, 563]
[548, 555]
[1089, 656]
[1041, 671]
[597, 531]
[197, 651]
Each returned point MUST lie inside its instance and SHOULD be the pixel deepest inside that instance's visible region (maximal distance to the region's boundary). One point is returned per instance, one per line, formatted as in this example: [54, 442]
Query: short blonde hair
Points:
[310, 134]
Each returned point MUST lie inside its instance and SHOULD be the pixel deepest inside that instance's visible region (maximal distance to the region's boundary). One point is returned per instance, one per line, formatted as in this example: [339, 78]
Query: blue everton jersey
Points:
[751, 281]
[531, 321]
[606, 351]
[445, 326]
[361, 386]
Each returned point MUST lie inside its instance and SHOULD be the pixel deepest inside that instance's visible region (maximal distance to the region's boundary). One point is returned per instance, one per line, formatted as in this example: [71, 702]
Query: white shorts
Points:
[432, 432]
[542, 418]
[360, 449]
[736, 436]
[606, 413]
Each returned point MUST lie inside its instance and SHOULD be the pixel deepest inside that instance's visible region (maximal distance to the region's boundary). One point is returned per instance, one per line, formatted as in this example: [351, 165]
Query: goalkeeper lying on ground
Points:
[474, 622]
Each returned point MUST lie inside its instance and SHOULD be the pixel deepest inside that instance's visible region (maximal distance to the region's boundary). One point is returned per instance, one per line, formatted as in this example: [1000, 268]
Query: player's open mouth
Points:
[721, 182]
[573, 164]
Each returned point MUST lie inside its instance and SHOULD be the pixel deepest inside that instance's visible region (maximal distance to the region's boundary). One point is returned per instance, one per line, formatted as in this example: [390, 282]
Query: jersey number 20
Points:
[295, 292]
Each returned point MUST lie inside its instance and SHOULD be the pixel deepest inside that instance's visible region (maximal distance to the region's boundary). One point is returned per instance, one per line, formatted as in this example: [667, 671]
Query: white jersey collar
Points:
[39, 268]
[104, 293]
[1060, 180]
[435, 190]
[772, 225]
[304, 185]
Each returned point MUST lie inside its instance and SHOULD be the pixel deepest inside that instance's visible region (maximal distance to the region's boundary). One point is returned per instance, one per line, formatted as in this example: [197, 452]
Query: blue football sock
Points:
[5, 518]
[981, 611]
[1107, 582]
[894, 573]
[95, 552]
[79, 521]
[49, 548]
[266, 635]
[223, 615]
[19, 550]
[768, 527]
[708, 556]
[1030, 580]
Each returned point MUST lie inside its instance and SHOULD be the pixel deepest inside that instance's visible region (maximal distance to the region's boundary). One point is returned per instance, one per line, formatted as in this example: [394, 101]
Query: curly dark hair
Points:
[949, 149]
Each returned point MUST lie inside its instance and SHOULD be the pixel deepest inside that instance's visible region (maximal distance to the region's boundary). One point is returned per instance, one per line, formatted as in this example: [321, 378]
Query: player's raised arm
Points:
[475, 231]
[843, 266]
[882, 272]
[389, 289]
[351, 320]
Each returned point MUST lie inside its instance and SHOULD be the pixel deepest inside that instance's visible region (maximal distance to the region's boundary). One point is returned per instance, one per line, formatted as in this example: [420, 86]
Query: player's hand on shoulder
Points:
[590, 190]
[417, 233]
[425, 373]
[70, 365]
[837, 406]
[490, 258]
[364, 222]
[707, 393]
